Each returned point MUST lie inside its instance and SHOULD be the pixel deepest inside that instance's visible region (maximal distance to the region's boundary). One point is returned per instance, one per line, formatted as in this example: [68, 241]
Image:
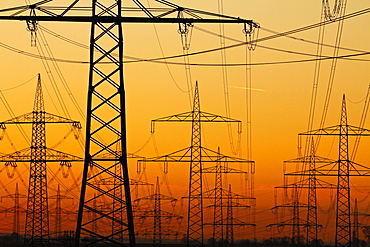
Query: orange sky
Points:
[280, 100]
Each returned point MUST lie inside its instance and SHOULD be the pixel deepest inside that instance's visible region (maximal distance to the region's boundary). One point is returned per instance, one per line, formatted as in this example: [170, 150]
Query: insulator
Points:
[185, 30]
[280, 228]
[331, 15]
[77, 125]
[32, 26]
[251, 34]
[165, 167]
[138, 167]
[268, 228]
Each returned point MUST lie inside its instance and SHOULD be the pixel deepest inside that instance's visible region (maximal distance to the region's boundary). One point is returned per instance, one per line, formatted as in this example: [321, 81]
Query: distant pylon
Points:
[355, 236]
[196, 154]
[158, 230]
[218, 233]
[312, 222]
[37, 217]
[229, 220]
[16, 210]
[220, 196]
[58, 211]
[345, 169]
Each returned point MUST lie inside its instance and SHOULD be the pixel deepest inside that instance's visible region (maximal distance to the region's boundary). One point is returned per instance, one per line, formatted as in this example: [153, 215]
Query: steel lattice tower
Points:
[158, 230]
[37, 216]
[58, 211]
[229, 219]
[157, 236]
[312, 223]
[219, 196]
[105, 40]
[16, 210]
[218, 233]
[196, 155]
[345, 169]
[343, 218]
[195, 208]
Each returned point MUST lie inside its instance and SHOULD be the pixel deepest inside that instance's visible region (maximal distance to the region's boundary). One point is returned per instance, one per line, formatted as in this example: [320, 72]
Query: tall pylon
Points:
[344, 169]
[220, 196]
[37, 216]
[308, 180]
[312, 222]
[16, 210]
[196, 155]
[158, 230]
[58, 212]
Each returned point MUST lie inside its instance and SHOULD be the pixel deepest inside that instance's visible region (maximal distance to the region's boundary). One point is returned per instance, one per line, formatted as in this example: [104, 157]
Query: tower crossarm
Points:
[62, 211]
[331, 169]
[203, 117]
[223, 169]
[304, 184]
[159, 196]
[232, 204]
[166, 231]
[307, 159]
[13, 210]
[52, 155]
[14, 196]
[290, 222]
[28, 118]
[210, 194]
[111, 181]
[290, 205]
[115, 154]
[237, 222]
[152, 213]
[335, 130]
[184, 155]
[172, 14]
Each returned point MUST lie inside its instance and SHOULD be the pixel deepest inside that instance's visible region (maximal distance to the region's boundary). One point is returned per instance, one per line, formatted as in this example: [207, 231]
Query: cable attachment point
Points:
[185, 30]
[251, 31]
[32, 26]
[332, 15]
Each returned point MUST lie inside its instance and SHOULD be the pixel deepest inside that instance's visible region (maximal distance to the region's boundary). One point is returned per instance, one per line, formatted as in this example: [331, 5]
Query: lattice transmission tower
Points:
[343, 169]
[310, 182]
[220, 198]
[197, 156]
[38, 155]
[158, 229]
[58, 212]
[16, 210]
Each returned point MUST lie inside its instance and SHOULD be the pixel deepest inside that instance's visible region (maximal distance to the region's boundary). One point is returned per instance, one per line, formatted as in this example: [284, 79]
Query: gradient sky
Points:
[281, 92]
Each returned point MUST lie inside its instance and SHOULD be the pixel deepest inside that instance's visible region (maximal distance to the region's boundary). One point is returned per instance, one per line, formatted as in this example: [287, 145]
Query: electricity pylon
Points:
[310, 182]
[196, 155]
[16, 210]
[58, 211]
[37, 217]
[295, 222]
[218, 196]
[230, 220]
[157, 214]
[106, 106]
[344, 170]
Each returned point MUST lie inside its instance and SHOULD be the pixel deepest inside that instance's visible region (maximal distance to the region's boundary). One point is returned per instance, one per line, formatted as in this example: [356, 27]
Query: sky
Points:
[281, 92]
